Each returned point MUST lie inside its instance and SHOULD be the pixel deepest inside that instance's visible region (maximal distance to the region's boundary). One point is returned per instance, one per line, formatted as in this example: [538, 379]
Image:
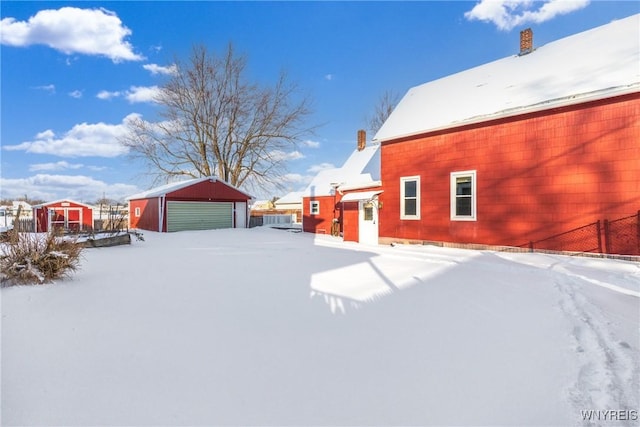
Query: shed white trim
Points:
[363, 195]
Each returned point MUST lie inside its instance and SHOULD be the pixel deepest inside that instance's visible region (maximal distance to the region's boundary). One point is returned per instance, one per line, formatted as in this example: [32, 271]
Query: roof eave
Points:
[534, 108]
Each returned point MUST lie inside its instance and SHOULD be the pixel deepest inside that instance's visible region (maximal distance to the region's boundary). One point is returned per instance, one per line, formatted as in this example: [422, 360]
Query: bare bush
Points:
[37, 259]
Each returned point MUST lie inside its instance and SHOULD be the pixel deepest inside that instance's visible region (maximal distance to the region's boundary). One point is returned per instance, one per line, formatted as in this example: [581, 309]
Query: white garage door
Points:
[199, 216]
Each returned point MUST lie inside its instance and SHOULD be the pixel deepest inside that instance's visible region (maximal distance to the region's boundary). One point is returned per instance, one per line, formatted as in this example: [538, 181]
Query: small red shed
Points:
[197, 204]
[65, 214]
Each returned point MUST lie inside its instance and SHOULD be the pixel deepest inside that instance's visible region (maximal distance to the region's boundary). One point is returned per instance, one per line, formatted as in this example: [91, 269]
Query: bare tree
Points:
[215, 122]
[382, 110]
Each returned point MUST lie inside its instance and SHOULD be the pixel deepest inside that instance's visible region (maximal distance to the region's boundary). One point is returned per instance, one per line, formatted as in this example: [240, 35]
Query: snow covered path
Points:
[246, 327]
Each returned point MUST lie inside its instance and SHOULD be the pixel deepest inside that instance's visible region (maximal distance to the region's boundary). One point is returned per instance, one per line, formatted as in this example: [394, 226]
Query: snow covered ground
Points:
[268, 327]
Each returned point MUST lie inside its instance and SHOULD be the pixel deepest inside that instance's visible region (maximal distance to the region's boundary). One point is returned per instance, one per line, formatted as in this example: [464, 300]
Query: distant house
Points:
[519, 149]
[26, 210]
[196, 204]
[261, 205]
[64, 214]
[322, 208]
[290, 204]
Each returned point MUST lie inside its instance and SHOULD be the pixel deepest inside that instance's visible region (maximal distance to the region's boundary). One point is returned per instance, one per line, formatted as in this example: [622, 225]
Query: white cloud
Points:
[138, 94]
[105, 94]
[72, 30]
[311, 144]
[53, 187]
[54, 166]
[83, 140]
[328, 77]
[508, 14]
[47, 88]
[45, 134]
[320, 167]
[278, 155]
[159, 69]
[135, 94]
[76, 94]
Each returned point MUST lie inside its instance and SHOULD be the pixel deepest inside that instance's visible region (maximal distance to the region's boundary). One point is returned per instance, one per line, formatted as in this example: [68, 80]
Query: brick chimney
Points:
[362, 139]
[526, 41]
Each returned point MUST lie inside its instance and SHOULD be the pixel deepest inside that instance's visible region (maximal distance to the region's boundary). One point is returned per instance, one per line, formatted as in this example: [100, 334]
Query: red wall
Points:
[537, 175]
[208, 191]
[321, 223]
[350, 222]
[148, 219]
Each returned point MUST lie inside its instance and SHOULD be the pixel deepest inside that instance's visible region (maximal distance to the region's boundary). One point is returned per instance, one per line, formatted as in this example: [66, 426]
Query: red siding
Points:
[148, 219]
[537, 175]
[350, 221]
[320, 223]
[207, 191]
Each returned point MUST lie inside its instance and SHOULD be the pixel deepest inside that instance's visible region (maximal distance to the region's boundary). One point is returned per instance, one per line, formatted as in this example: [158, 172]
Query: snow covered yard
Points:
[267, 327]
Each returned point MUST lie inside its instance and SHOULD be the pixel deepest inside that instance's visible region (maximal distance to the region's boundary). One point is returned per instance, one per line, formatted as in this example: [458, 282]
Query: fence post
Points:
[607, 236]
[598, 230]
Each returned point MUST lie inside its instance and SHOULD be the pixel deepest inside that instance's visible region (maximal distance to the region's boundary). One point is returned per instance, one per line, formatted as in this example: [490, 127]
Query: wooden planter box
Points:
[102, 242]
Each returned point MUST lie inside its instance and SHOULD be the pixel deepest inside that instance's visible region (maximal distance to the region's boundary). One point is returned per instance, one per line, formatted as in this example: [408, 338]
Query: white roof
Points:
[168, 188]
[595, 64]
[55, 202]
[290, 198]
[363, 195]
[361, 167]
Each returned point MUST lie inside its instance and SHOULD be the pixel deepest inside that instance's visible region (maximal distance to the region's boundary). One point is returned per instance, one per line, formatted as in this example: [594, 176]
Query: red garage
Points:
[64, 214]
[196, 204]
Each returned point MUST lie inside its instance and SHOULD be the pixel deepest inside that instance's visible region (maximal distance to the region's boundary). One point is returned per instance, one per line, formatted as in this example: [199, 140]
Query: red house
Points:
[196, 204]
[519, 150]
[322, 210]
[65, 214]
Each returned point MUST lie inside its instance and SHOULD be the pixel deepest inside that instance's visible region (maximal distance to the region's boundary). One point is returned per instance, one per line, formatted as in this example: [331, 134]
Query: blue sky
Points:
[72, 72]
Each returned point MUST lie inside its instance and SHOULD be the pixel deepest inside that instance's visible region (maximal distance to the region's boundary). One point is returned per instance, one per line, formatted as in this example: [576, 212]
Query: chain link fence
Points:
[620, 237]
[582, 239]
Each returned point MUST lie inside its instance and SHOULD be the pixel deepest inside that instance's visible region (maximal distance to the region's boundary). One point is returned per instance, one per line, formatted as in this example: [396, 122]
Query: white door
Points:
[241, 215]
[368, 222]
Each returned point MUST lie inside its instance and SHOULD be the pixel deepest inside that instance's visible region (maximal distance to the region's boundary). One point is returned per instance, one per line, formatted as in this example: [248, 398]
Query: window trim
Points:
[315, 203]
[137, 212]
[404, 179]
[454, 196]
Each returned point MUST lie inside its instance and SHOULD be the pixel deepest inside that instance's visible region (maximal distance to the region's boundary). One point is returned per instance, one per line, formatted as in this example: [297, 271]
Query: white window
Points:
[314, 207]
[410, 197]
[463, 196]
[137, 212]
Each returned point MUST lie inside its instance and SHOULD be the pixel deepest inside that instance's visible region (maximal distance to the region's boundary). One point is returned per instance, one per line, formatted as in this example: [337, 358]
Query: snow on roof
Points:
[361, 167]
[62, 201]
[363, 195]
[594, 64]
[293, 197]
[174, 186]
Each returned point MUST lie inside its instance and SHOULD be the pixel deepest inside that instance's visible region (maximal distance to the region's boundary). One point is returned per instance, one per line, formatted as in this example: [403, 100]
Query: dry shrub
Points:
[36, 259]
